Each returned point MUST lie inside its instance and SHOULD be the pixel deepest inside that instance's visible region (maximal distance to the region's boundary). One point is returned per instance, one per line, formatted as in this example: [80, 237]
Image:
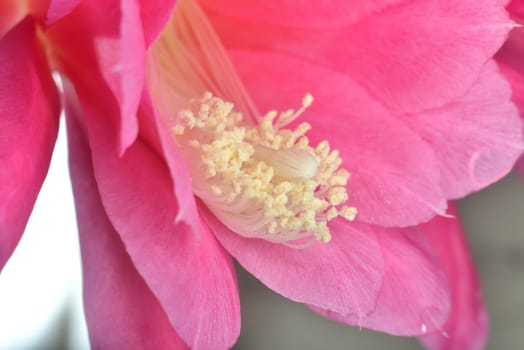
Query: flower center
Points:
[258, 177]
[262, 180]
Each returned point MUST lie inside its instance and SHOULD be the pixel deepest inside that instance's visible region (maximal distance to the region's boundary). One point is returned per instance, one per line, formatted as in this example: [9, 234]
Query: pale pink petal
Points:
[414, 297]
[103, 40]
[477, 138]
[320, 13]
[154, 15]
[189, 272]
[58, 9]
[467, 327]
[157, 134]
[11, 12]
[121, 312]
[29, 109]
[389, 183]
[411, 56]
[344, 275]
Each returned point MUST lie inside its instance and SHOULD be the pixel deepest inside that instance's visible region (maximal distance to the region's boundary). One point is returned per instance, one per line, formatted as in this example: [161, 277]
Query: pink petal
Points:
[121, 311]
[467, 327]
[29, 109]
[320, 13]
[128, 83]
[389, 184]
[58, 9]
[189, 272]
[411, 56]
[154, 15]
[344, 275]
[11, 12]
[477, 138]
[157, 134]
[104, 41]
[414, 296]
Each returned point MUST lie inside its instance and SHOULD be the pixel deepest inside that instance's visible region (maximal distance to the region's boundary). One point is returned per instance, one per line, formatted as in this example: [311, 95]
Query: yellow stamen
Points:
[262, 180]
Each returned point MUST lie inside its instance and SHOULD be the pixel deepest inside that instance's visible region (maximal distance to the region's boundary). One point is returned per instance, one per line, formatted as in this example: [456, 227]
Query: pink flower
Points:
[511, 61]
[406, 92]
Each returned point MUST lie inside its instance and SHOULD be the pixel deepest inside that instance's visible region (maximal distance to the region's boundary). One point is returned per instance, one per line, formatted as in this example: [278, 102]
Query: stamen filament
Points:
[262, 181]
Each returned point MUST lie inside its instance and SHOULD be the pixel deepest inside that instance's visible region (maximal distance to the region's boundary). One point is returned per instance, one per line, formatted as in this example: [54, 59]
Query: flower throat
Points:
[262, 180]
[259, 178]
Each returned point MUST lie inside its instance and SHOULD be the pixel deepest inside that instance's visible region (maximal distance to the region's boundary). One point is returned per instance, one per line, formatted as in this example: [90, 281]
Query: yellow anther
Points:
[283, 187]
[178, 129]
[216, 190]
[324, 238]
[348, 213]
[337, 195]
[340, 178]
[194, 143]
[331, 213]
[302, 142]
[322, 149]
[307, 100]
[262, 181]
[281, 199]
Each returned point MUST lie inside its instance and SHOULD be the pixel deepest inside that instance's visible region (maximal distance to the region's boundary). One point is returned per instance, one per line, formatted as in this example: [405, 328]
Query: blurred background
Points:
[40, 288]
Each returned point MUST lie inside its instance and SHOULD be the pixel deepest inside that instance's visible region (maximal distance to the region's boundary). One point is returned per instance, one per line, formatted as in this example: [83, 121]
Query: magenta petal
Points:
[515, 76]
[29, 109]
[516, 8]
[58, 9]
[511, 55]
[319, 13]
[414, 297]
[344, 275]
[154, 15]
[389, 184]
[467, 327]
[519, 167]
[121, 311]
[410, 57]
[476, 138]
[157, 134]
[189, 272]
[511, 62]
[101, 42]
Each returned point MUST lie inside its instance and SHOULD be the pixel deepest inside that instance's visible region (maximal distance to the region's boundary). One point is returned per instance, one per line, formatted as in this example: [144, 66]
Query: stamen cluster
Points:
[262, 180]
